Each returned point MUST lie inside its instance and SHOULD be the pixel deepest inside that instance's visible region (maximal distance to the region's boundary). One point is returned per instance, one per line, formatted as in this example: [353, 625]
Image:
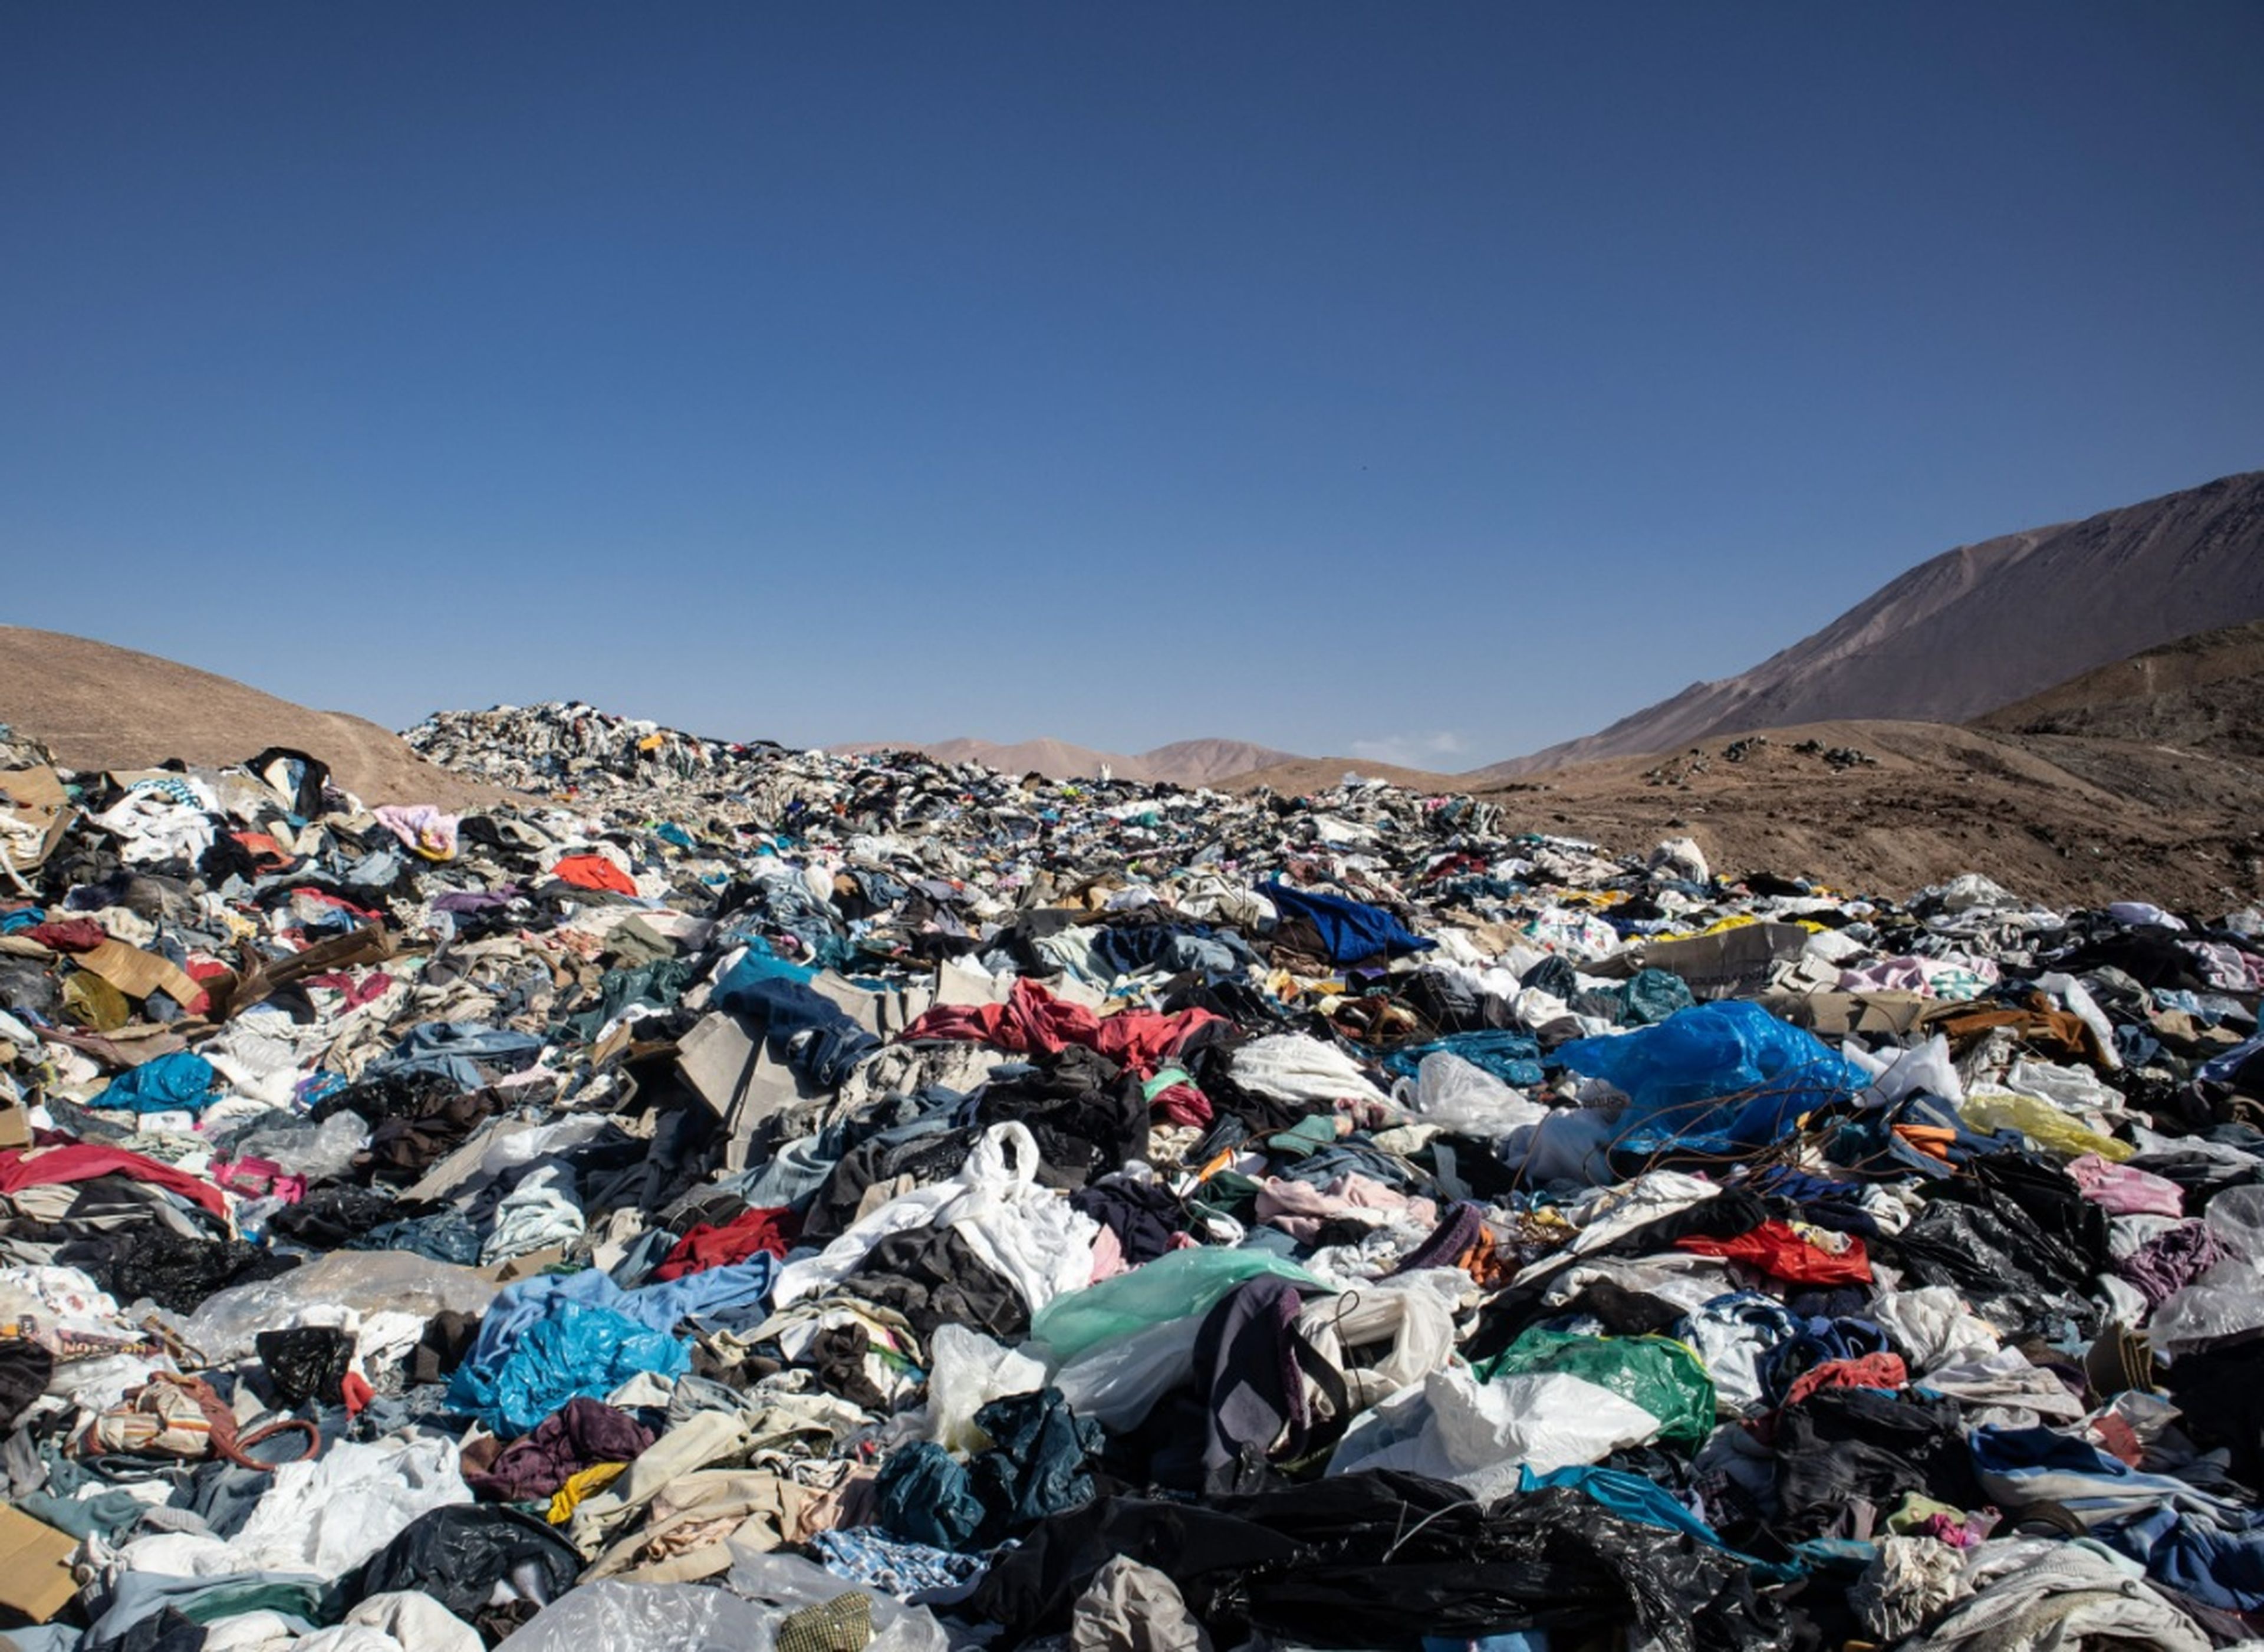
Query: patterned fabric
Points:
[844, 1624]
[910, 1571]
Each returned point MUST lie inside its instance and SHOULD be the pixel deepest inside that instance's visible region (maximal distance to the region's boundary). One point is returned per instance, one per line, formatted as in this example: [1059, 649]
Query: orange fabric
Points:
[594, 872]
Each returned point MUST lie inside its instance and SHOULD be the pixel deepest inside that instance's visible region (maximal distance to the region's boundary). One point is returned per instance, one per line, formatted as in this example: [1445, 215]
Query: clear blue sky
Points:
[1429, 381]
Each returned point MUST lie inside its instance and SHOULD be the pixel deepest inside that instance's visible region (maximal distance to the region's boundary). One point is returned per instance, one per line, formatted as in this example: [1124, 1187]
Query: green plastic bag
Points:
[1172, 1286]
[1661, 1375]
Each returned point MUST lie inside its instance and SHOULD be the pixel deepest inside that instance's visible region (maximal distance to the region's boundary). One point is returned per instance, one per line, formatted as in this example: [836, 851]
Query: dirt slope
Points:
[2203, 692]
[2065, 819]
[96, 706]
[1983, 624]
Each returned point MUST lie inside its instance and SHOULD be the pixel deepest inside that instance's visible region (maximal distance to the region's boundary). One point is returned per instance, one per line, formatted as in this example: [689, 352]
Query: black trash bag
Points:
[24, 1369]
[1998, 1262]
[1394, 1561]
[308, 1362]
[334, 1214]
[393, 1096]
[178, 1272]
[458, 1554]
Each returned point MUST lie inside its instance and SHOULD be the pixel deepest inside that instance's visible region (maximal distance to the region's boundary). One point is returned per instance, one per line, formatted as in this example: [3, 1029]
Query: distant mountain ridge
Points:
[1981, 625]
[1182, 762]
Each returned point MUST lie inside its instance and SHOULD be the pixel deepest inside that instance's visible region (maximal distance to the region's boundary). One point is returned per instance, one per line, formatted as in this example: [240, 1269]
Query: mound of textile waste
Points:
[742, 1196]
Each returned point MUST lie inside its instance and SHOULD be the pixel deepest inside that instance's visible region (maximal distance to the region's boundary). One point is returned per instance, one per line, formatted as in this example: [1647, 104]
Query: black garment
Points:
[448, 1337]
[1144, 1216]
[933, 1277]
[1088, 1115]
[2151, 955]
[1844, 1443]
[25, 1370]
[1245, 1354]
[932, 1156]
[402, 1148]
[2221, 1392]
[1382, 1560]
[458, 1554]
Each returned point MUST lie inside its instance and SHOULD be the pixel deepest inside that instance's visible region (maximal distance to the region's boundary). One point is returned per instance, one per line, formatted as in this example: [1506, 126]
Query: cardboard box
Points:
[35, 1576]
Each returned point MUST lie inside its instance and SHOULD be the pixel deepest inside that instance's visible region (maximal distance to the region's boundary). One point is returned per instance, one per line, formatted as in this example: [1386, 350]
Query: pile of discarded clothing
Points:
[728, 1196]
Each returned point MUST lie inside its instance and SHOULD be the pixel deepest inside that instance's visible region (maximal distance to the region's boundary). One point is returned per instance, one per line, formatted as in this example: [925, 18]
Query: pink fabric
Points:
[1107, 1256]
[2124, 1190]
[1300, 1209]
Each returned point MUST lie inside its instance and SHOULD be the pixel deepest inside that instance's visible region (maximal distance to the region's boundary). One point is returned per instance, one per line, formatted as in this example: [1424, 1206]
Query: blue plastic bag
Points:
[176, 1081]
[574, 1350]
[1714, 1078]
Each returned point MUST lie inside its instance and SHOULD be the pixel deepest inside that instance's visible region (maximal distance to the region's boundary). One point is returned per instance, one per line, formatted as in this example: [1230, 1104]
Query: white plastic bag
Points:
[1478, 1434]
[1462, 1096]
[966, 1371]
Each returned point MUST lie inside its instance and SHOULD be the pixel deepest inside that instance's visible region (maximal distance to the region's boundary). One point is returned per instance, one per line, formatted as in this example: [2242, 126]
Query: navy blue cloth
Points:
[1349, 930]
[803, 1027]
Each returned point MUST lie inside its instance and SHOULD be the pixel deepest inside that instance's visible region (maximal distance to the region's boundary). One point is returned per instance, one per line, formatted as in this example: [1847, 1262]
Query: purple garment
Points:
[1454, 1238]
[1246, 1353]
[580, 1433]
[2169, 1262]
[475, 900]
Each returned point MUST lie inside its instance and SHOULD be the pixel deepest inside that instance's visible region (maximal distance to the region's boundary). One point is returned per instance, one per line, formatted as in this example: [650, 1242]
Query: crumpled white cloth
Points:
[1024, 1232]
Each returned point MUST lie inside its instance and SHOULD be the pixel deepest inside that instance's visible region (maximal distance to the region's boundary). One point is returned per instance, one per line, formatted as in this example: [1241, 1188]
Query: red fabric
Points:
[266, 854]
[1180, 1103]
[1033, 1022]
[69, 934]
[1781, 1253]
[46, 1167]
[1872, 1371]
[369, 989]
[594, 872]
[706, 1247]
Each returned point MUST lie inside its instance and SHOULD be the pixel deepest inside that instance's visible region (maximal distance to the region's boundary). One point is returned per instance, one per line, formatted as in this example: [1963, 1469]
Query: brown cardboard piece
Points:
[35, 1576]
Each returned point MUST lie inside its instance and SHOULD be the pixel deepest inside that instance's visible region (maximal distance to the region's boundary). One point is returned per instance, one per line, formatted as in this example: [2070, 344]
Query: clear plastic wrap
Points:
[225, 1324]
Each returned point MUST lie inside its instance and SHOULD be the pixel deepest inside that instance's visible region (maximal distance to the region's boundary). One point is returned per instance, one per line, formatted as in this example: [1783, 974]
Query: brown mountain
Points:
[1982, 626]
[96, 706]
[2202, 693]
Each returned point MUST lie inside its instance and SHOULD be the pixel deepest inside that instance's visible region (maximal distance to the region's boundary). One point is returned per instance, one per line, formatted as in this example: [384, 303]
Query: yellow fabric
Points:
[2043, 1124]
[596, 1477]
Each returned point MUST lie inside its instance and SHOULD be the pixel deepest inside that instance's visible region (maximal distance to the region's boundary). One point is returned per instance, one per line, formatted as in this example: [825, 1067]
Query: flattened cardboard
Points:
[35, 1577]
